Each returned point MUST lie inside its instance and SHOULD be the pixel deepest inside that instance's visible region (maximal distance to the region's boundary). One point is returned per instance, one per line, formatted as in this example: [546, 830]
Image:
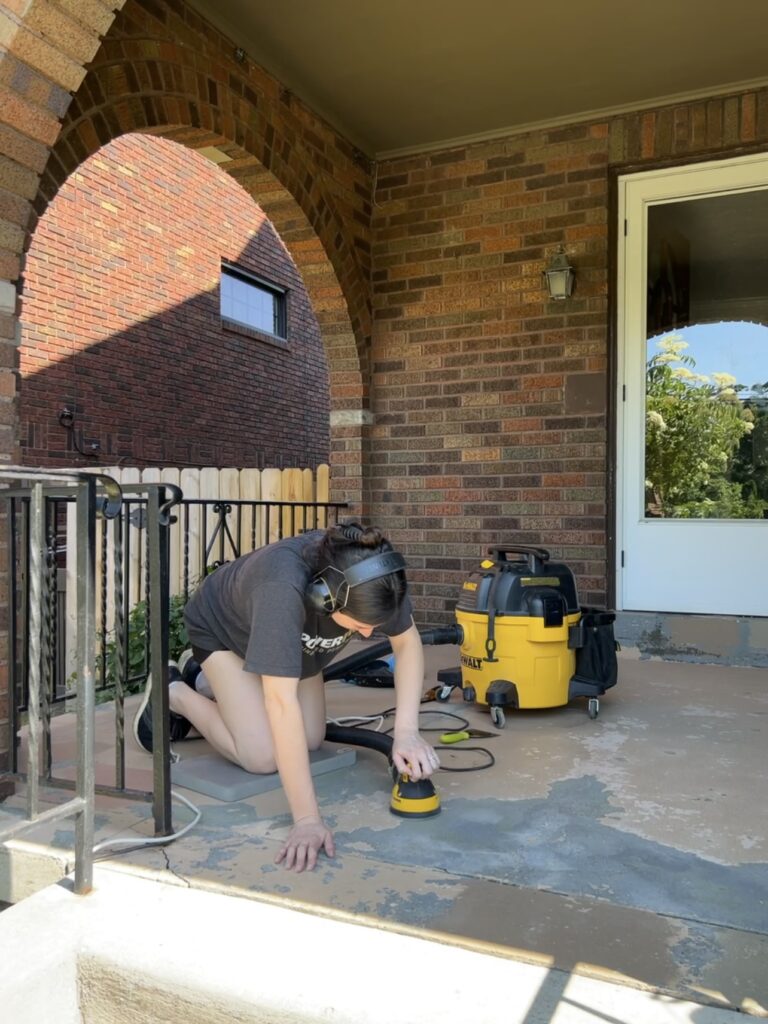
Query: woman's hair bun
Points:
[371, 537]
[373, 599]
[364, 536]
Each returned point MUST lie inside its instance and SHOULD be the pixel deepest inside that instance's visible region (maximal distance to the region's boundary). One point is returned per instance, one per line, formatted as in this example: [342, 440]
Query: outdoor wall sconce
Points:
[559, 276]
[67, 420]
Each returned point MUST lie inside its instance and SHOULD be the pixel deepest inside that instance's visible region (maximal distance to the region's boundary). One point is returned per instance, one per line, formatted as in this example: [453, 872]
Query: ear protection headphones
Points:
[325, 597]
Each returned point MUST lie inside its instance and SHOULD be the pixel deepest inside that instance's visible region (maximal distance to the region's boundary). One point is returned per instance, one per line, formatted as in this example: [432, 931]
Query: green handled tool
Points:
[466, 734]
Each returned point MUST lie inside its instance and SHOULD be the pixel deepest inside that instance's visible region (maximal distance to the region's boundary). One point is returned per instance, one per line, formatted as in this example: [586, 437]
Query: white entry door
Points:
[692, 446]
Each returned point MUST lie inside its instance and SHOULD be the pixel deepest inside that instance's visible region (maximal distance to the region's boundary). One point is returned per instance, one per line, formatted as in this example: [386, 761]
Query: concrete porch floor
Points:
[632, 848]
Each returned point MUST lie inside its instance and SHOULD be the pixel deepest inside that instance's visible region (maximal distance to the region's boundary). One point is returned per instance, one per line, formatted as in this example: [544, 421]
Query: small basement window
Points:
[247, 301]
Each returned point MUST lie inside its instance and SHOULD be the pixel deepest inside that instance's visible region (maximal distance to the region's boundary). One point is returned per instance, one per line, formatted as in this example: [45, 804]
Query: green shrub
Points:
[136, 668]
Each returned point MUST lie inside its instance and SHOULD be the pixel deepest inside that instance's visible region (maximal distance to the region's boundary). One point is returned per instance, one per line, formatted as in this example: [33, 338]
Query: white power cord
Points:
[353, 720]
[138, 844]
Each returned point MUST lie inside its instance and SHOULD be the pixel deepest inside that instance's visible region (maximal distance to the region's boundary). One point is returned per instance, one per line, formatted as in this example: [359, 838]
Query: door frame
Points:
[615, 306]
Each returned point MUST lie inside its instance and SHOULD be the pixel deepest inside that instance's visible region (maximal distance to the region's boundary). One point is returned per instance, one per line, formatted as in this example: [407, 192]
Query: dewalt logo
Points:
[468, 662]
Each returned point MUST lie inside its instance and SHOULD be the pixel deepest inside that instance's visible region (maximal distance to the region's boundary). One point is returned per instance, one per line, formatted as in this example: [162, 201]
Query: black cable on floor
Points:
[466, 750]
[463, 724]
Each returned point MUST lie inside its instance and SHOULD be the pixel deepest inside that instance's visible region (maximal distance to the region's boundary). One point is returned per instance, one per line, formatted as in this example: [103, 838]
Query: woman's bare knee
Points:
[256, 762]
[315, 737]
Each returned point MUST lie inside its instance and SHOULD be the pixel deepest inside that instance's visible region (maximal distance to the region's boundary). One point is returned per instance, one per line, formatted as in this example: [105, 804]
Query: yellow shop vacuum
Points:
[524, 640]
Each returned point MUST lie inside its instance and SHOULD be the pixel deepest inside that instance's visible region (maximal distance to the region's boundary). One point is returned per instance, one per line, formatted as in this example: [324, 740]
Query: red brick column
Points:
[45, 50]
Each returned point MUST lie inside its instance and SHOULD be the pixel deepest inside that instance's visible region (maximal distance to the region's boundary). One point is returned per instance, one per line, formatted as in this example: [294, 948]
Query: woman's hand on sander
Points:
[305, 841]
[413, 756]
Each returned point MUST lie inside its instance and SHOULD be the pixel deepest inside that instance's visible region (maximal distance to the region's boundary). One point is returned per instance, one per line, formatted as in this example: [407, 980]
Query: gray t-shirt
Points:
[256, 607]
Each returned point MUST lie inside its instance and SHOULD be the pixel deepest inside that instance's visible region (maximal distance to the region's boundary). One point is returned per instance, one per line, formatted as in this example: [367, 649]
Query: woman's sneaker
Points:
[142, 722]
[189, 667]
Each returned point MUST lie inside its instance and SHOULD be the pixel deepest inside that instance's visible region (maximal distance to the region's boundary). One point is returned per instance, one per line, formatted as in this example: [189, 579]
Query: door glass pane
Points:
[706, 436]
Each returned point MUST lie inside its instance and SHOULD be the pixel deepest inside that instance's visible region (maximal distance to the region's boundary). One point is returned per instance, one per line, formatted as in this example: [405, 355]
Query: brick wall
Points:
[491, 401]
[42, 60]
[120, 322]
[162, 68]
[159, 68]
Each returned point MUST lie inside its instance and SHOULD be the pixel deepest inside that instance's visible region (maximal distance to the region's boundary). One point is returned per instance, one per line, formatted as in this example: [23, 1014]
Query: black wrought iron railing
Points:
[201, 534]
[93, 496]
[213, 532]
[146, 561]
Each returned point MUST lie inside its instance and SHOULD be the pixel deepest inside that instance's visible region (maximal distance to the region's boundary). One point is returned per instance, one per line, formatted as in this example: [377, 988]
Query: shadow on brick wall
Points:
[124, 355]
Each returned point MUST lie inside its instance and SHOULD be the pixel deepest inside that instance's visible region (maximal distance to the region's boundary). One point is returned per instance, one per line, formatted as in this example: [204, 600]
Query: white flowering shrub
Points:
[696, 465]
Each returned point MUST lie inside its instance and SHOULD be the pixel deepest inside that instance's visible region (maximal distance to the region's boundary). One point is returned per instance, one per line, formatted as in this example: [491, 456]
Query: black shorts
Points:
[200, 654]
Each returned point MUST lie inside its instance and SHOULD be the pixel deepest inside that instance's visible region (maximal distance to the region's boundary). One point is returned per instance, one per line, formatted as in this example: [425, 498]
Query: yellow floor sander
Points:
[524, 640]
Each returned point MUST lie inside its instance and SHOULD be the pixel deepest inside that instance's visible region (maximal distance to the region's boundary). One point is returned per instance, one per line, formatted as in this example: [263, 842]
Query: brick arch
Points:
[170, 74]
[170, 69]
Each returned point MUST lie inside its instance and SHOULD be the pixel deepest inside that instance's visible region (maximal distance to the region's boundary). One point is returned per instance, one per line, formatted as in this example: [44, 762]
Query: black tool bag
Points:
[376, 674]
[596, 647]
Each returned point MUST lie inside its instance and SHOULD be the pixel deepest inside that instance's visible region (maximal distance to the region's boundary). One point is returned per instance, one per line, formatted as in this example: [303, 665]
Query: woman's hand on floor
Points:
[305, 841]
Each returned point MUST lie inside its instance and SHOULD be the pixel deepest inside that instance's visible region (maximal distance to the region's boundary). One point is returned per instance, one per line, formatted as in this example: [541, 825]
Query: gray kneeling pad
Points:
[219, 778]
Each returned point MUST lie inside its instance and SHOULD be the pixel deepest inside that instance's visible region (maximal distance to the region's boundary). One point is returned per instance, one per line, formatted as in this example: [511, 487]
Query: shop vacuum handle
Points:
[534, 556]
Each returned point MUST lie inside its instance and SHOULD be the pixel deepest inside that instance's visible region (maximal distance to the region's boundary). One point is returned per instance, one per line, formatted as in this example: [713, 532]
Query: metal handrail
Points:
[138, 546]
[89, 504]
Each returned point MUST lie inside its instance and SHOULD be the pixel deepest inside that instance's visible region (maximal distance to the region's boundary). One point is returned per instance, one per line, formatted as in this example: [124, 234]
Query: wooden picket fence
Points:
[255, 526]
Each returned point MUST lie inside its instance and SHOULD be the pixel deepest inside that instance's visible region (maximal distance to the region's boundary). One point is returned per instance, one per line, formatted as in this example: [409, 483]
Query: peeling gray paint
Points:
[229, 815]
[698, 950]
[63, 838]
[703, 639]
[416, 909]
[218, 856]
[562, 844]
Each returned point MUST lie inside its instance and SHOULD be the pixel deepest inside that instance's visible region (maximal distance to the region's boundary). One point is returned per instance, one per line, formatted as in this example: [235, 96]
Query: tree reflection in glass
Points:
[706, 440]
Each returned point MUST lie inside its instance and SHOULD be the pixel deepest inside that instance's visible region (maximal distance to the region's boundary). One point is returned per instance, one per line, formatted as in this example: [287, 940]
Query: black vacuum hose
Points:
[409, 799]
[429, 637]
[359, 738]
[442, 635]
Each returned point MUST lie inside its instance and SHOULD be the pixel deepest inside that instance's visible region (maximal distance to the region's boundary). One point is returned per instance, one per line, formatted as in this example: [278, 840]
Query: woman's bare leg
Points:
[235, 723]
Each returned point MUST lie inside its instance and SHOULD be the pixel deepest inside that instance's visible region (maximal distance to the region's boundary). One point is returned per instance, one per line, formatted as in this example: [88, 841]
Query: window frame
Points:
[280, 299]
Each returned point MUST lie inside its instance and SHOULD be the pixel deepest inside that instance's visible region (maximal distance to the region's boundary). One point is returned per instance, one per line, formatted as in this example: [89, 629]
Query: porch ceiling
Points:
[402, 76]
